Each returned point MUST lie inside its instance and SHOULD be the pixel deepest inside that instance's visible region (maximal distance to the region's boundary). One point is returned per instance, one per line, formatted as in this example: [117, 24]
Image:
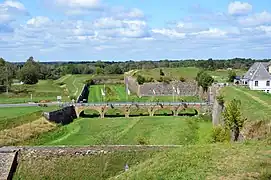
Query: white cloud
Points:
[239, 8]
[38, 21]
[14, 4]
[172, 33]
[262, 18]
[78, 3]
[212, 32]
[10, 10]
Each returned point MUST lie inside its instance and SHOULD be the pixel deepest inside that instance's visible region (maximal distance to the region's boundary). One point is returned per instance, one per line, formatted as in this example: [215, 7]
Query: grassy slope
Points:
[48, 90]
[186, 72]
[12, 117]
[219, 161]
[252, 109]
[149, 130]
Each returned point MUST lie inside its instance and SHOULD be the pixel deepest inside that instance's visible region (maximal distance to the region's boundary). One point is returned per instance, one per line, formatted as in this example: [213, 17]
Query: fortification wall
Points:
[163, 89]
[63, 116]
[84, 94]
[133, 85]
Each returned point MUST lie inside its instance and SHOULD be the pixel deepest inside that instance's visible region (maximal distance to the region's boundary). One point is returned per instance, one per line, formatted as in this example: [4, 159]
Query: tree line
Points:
[32, 70]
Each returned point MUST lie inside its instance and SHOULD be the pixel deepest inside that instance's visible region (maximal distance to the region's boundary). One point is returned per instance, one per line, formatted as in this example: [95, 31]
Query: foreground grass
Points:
[118, 94]
[218, 161]
[255, 105]
[139, 130]
[25, 131]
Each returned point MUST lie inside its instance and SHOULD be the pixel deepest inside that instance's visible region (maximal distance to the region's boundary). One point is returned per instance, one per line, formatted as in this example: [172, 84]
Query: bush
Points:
[140, 79]
[142, 141]
[73, 97]
[220, 134]
[182, 79]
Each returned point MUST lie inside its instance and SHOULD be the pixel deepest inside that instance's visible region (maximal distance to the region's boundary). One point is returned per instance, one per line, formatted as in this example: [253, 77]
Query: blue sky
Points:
[121, 30]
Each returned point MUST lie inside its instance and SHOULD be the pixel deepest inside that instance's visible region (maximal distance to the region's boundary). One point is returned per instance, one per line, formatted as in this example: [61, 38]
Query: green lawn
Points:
[255, 105]
[118, 94]
[188, 73]
[138, 130]
[48, 90]
[217, 161]
[15, 116]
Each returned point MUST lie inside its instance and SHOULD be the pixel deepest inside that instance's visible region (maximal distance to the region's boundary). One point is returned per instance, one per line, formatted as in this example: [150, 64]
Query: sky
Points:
[120, 30]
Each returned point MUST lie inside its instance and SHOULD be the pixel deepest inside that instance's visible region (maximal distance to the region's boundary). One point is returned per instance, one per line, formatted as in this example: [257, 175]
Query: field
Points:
[139, 130]
[117, 93]
[216, 161]
[188, 73]
[46, 90]
[255, 105]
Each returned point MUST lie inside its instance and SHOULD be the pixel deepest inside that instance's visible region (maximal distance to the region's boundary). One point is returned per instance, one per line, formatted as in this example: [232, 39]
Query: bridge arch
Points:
[115, 112]
[163, 112]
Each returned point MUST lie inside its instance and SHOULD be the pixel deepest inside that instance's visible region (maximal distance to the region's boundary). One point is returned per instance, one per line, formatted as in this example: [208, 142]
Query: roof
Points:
[258, 71]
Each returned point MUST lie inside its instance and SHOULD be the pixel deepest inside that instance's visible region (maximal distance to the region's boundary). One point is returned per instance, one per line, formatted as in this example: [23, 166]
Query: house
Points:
[258, 77]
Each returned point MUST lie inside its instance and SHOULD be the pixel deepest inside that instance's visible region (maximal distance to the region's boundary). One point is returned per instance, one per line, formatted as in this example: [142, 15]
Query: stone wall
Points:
[133, 85]
[162, 89]
[84, 94]
[63, 116]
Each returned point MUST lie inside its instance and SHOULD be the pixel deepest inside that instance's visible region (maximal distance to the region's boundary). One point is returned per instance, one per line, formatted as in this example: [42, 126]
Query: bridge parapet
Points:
[125, 107]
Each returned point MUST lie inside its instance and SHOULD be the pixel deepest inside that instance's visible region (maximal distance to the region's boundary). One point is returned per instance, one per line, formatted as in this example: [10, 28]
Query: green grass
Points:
[46, 90]
[118, 94]
[251, 108]
[188, 73]
[138, 130]
[12, 117]
[218, 161]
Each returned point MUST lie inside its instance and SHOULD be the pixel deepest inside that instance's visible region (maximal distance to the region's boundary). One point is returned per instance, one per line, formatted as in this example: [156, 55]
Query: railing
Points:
[136, 103]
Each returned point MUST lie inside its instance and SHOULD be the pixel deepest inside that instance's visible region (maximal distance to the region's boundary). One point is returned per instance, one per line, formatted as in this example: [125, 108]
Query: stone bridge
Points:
[102, 108]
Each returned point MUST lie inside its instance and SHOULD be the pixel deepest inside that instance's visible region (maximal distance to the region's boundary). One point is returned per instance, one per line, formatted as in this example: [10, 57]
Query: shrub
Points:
[73, 97]
[182, 79]
[140, 79]
[142, 141]
[220, 134]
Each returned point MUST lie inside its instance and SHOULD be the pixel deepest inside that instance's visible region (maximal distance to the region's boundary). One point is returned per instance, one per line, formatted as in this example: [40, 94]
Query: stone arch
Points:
[90, 113]
[139, 111]
[189, 111]
[115, 112]
[163, 112]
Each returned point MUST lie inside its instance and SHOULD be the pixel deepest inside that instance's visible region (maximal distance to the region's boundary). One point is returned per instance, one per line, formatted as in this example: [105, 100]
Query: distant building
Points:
[258, 77]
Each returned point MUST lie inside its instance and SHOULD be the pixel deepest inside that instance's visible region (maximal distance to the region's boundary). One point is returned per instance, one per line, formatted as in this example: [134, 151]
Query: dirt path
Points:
[254, 97]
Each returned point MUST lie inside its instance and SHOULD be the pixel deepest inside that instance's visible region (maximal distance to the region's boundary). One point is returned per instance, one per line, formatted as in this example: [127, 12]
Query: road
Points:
[103, 104]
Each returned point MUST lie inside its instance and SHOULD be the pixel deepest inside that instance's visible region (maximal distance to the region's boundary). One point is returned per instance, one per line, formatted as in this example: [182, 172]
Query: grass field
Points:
[12, 117]
[217, 161]
[48, 90]
[255, 105]
[139, 130]
[117, 93]
[185, 72]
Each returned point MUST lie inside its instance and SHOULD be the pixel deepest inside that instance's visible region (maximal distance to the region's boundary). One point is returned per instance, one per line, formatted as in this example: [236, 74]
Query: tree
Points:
[182, 79]
[233, 118]
[140, 79]
[204, 80]
[231, 76]
[29, 73]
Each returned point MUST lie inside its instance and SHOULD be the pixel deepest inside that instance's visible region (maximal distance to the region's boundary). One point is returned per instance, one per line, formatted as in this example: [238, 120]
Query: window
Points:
[245, 82]
[256, 83]
[267, 83]
[267, 91]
